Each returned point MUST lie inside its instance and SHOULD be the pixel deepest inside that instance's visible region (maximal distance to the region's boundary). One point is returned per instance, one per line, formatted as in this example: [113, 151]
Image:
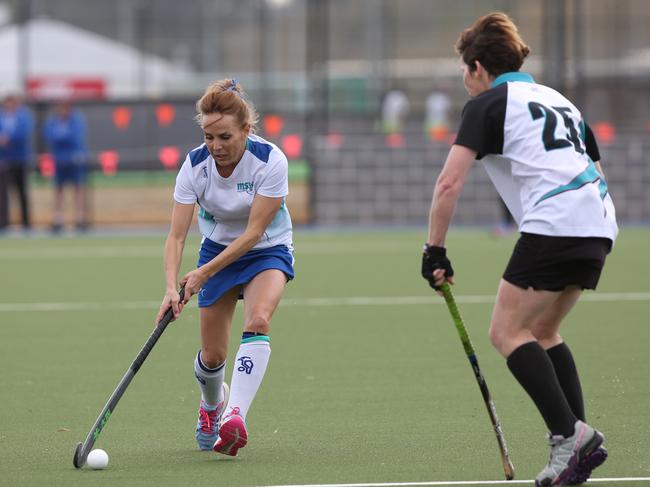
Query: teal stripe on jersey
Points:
[589, 175]
[512, 76]
[260, 338]
[602, 185]
[205, 214]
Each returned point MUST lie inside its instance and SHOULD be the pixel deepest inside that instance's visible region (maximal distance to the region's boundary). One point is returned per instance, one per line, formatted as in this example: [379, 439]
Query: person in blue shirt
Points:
[16, 125]
[65, 134]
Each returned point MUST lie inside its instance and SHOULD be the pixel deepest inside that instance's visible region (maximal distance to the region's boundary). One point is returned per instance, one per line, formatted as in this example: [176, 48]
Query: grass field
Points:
[368, 382]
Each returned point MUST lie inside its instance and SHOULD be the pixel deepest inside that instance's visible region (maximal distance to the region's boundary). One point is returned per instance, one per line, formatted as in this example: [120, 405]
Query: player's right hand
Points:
[173, 299]
[436, 267]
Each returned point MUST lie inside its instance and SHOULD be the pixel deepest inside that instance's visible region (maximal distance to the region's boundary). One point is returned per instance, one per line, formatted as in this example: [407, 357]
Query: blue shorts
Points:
[242, 271]
[69, 172]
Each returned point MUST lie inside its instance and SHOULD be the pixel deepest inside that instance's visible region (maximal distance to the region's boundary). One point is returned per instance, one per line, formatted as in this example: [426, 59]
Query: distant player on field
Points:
[64, 132]
[239, 181]
[545, 165]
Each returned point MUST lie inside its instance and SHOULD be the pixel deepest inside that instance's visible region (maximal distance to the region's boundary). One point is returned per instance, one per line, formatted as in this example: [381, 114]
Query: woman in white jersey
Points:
[239, 181]
[544, 164]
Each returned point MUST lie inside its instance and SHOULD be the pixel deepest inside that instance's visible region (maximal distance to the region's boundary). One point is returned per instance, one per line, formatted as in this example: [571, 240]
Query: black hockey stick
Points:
[508, 468]
[83, 449]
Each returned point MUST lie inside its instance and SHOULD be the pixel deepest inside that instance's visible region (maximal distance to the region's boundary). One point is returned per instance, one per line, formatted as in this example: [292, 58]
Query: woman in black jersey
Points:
[544, 163]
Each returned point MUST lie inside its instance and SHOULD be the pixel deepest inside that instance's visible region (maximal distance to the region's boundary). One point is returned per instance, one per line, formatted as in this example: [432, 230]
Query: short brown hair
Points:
[495, 42]
[228, 97]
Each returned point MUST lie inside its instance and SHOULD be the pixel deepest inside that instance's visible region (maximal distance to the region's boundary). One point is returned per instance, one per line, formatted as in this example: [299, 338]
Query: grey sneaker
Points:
[586, 466]
[207, 427]
[568, 455]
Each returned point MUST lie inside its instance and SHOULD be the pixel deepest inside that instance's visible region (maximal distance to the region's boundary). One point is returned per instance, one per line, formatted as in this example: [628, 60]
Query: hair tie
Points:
[233, 86]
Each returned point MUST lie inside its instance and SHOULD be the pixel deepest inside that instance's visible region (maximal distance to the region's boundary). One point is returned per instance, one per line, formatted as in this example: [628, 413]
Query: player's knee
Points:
[498, 337]
[258, 323]
[213, 357]
[547, 336]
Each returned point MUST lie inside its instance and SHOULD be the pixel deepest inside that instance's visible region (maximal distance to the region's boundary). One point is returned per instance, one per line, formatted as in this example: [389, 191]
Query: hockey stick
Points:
[83, 449]
[508, 468]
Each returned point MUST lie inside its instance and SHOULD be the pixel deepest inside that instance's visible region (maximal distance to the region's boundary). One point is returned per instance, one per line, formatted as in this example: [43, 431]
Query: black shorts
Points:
[553, 263]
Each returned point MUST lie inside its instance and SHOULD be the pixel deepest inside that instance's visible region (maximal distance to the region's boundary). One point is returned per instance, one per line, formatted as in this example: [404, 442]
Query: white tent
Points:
[46, 48]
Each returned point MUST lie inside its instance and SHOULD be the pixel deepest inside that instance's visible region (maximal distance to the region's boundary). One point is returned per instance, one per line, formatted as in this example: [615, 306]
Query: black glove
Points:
[433, 258]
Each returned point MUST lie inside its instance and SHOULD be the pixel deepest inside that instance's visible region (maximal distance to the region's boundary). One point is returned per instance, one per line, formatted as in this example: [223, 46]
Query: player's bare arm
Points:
[447, 190]
[174, 245]
[436, 267]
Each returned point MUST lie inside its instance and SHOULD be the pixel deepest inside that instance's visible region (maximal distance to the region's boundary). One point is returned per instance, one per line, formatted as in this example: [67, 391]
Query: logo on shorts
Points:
[245, 187]
[246, 365]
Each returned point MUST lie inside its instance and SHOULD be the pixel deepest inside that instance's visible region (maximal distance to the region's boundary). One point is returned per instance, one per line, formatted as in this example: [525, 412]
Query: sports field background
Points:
[368, 382]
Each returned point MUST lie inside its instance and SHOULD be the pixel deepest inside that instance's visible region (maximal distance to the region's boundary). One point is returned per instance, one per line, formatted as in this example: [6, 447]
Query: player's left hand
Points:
[193, 281]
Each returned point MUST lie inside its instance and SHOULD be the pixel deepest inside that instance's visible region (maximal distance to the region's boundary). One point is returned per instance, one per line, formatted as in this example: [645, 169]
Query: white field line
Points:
[301, 302]
[458, 482]
[156, 251]
[53, 253]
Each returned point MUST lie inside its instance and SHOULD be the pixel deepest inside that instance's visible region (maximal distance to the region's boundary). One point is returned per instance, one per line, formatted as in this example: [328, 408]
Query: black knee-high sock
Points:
[567, 375]
[534, 370]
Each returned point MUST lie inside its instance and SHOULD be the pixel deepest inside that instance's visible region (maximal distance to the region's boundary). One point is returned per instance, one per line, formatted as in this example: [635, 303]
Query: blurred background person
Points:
[394, 109]
[16, 125]
[4, 209]
[64, 132]
[436, 117]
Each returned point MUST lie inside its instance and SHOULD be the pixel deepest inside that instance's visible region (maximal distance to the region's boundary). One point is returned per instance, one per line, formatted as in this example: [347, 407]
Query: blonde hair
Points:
[494, 41]
[227, 96]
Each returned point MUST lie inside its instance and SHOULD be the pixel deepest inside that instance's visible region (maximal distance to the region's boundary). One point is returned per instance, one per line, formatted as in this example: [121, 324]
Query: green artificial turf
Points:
[368, 382]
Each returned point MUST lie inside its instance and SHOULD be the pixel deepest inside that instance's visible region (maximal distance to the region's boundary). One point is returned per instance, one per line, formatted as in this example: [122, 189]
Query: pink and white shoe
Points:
[232, 434]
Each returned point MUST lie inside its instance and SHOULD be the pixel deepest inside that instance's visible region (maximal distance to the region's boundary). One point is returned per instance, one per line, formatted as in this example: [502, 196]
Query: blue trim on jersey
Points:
[512, 76]
[589, 175]
[259, 149]
[199, 155]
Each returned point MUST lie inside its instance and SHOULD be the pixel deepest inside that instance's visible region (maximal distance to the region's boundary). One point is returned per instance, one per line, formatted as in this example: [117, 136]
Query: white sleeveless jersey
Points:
[531, 140]
[225, 203]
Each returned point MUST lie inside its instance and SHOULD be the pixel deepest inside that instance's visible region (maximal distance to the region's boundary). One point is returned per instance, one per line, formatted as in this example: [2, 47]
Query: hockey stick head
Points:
[508, 469]
[77, 460]
[83, 449]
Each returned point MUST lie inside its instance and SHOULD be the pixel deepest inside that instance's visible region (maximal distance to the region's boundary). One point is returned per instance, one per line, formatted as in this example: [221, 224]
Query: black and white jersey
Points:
[531, 140]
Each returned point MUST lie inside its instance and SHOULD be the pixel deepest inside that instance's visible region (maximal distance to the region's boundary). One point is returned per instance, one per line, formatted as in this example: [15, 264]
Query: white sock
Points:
[210, 381]
[248, 372]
